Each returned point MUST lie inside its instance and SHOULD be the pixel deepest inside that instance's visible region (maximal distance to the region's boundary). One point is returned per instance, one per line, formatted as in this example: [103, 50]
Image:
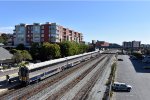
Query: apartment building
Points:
[20, 34]
[145, 45]
[48, 32]
[132, 44]
[127, 44]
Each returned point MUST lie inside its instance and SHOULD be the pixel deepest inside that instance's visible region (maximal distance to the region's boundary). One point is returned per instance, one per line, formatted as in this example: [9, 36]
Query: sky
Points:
[113, 21]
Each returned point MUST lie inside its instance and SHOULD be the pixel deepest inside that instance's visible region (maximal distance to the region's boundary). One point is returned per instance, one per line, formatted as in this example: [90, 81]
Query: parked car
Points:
[146, 67]
[117, 86]
[146, 59]
[133, 57]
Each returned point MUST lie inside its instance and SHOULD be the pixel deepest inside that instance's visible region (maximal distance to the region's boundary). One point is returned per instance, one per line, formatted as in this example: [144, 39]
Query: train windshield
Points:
[24, 71]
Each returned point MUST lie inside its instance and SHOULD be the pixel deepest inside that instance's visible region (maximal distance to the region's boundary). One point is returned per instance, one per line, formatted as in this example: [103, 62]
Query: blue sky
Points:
[112, 21]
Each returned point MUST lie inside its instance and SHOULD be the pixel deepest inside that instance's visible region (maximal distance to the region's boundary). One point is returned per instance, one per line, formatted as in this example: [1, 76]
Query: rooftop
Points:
[5, 54]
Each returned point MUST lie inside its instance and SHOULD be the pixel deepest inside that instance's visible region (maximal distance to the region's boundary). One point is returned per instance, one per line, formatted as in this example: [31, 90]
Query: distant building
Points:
[127, 44]
[20, 34]
[132, 44]
[10, 40]
[145, 45]
[48, 32]
[102, 44]
[93, 41]
[136, 44]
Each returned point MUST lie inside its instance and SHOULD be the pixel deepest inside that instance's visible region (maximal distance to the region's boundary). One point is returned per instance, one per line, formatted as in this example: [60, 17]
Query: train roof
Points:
[45, 63]
[41, 64]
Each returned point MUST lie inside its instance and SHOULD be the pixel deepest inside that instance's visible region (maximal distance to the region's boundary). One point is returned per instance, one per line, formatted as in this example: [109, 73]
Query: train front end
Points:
[24, 75]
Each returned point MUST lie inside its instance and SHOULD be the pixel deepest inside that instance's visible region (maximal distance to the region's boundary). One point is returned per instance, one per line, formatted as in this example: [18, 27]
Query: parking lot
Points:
[132, 72]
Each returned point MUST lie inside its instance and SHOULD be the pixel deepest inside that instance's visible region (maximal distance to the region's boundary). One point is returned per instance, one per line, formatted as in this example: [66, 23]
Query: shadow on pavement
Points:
[121, 91]
[4, 84]
[139, 66]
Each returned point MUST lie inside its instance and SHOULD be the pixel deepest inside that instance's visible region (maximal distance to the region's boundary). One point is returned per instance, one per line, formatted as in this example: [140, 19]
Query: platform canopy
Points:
[5, 55]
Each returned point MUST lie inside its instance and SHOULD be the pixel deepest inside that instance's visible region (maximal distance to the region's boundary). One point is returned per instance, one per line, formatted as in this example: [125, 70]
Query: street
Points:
[131, 72]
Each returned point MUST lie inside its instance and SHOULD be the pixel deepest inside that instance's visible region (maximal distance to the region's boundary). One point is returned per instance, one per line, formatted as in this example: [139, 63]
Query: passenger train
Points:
[39, 71]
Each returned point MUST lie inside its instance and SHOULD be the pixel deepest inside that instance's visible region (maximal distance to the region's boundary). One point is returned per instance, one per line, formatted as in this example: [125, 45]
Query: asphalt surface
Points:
[133, 73]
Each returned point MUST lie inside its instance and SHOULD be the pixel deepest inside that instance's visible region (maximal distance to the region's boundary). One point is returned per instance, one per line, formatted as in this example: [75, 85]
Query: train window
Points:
[24, 71]
[51, 71]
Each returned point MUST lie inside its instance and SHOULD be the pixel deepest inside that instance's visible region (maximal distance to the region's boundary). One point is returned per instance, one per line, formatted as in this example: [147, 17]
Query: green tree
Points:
[55, 51]
[21, 55]
[66, 49]
[83, 48]
[35, 50]
[136, 54]
[72, 48]
[91, 48]
[49, 51]
[20, 47]
[146, 51]
[5, 36]
[26, 55]
[45, 52]
[18, 57]
[1, 39]
[4, 39]
[13, 51]
[75, 48]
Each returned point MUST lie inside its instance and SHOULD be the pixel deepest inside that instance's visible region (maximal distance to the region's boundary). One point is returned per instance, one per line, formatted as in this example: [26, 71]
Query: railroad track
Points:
[70, 85]
[83, 93]
[27, 92]
[85, 90]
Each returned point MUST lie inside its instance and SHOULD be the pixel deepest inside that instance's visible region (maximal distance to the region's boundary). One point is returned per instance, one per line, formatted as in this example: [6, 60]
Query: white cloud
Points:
[8, 29]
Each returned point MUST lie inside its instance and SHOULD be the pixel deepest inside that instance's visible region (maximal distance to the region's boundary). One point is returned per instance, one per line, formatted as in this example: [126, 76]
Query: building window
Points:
[42, 39]
[42, 27]
[42, 35]
[28, 39]
[42, 31]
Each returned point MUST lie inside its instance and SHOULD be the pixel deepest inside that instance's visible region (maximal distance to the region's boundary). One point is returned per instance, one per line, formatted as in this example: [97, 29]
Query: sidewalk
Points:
[3, 78]
[9, 69]
[8, 72]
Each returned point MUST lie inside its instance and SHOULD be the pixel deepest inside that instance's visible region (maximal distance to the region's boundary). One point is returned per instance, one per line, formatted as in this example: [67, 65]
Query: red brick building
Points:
[102, 43]
[48, 32]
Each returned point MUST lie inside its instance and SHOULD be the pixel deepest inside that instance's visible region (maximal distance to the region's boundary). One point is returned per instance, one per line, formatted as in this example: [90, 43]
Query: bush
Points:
[137, 55]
